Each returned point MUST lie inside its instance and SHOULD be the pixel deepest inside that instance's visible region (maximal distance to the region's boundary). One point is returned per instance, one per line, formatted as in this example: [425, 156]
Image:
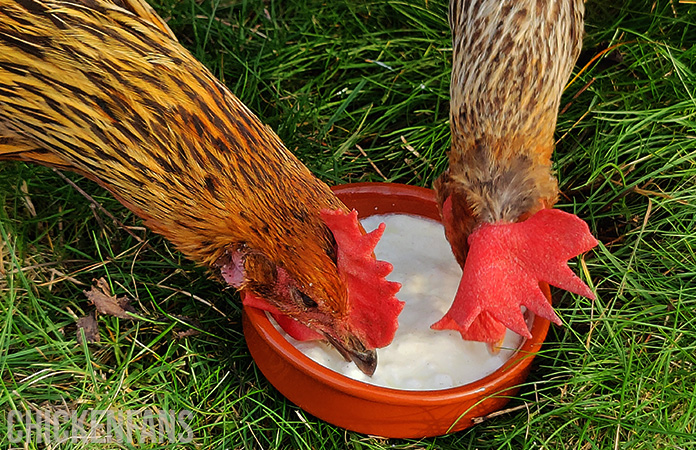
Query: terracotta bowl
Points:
[375, 410]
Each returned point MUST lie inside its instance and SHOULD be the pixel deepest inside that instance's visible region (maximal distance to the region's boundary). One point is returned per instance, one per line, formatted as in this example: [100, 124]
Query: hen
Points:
[511, 60]
[104, 89]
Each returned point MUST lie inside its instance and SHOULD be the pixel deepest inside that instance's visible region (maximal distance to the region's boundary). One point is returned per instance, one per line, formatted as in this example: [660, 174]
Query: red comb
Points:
[503, 269]
[373, 309]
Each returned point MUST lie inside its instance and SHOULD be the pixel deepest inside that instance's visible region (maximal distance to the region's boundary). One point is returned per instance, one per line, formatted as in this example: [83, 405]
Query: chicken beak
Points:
[364, 358]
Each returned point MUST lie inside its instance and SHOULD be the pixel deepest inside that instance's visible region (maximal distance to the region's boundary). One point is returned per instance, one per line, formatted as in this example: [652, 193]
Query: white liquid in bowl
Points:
[419, 358]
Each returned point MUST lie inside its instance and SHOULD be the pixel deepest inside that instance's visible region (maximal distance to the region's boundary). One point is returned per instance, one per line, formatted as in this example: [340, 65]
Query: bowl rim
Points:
[492, 384]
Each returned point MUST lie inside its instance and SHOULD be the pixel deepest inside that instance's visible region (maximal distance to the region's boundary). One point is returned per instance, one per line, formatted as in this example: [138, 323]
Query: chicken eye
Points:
[307, 300]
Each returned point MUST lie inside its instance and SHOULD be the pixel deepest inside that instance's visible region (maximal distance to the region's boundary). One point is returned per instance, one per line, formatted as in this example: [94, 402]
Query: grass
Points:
[359, 91]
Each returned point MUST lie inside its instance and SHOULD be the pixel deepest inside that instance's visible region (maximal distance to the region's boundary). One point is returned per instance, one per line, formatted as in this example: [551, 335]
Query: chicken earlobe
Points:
[231, 266]
[243, 268]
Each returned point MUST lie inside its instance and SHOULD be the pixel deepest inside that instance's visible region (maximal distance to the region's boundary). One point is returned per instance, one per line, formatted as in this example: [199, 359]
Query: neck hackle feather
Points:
[104, 89]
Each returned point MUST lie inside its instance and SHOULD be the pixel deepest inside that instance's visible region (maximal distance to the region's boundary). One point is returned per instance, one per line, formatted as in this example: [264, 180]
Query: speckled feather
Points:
[104, 89]
[511, 60]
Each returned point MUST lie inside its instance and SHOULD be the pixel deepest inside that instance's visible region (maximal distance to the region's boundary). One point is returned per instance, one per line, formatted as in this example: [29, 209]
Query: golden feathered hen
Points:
[511, 60]
[104, 89]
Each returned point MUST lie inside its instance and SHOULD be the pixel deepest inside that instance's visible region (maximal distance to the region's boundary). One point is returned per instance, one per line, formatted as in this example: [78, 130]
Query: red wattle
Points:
[291, 326]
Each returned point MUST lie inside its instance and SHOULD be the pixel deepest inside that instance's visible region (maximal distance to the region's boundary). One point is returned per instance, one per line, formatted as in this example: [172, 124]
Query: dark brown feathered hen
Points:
[104, 89]
[511, 60]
